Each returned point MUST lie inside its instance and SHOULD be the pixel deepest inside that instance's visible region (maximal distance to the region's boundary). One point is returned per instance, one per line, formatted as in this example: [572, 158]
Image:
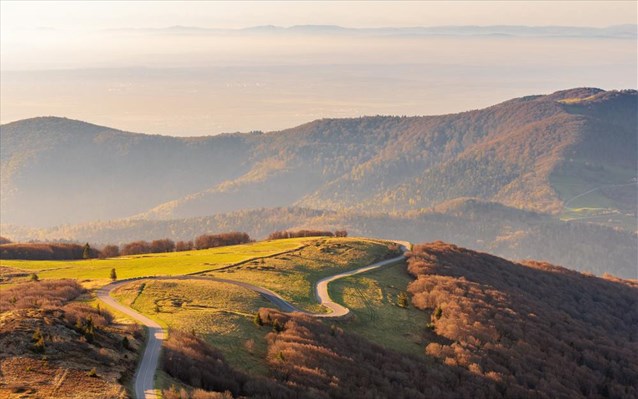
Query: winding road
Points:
[145, 375]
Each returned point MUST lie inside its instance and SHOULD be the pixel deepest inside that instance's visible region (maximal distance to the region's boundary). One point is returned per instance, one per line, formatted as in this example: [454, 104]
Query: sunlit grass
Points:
[293, 275]
[219, 312]
[97, 271]
[372, 298]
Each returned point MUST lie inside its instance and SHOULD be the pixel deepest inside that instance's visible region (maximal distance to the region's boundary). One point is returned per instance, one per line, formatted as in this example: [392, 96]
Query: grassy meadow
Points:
[95, 272]
[585, 188]
[294, 274]
[223, 313]
[372, 298]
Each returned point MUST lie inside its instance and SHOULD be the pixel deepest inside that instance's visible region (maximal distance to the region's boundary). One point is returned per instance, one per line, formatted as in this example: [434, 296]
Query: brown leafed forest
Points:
[534, 329]
[496, 329]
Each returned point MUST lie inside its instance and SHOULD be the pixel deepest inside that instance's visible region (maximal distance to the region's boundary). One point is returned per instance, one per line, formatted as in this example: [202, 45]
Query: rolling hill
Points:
[471, 325]
[535, 153]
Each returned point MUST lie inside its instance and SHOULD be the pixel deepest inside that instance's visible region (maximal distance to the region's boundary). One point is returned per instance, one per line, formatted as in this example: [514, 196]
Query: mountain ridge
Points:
[525, 152]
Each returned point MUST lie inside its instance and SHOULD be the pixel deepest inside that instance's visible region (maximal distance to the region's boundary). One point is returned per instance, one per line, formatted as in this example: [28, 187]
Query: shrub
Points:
[257, 320]
[45, 294]
[38, 341]
[402, 299]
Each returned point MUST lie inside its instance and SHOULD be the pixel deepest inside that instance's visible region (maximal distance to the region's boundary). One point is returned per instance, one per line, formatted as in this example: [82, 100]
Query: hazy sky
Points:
[79, 60]
[238, 14]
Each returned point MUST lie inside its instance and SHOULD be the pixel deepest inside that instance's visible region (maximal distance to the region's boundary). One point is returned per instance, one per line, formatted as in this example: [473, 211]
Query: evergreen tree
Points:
[86, 252]
[113, 275]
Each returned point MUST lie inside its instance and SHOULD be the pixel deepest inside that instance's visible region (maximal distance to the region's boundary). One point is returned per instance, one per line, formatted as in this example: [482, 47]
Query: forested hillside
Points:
[475, 224]
[536, 152]
[494, 329]
[534, 329]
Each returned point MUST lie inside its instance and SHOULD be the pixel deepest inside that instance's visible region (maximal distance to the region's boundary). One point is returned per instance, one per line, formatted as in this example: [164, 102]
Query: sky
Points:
[99, 62]
[240, 14]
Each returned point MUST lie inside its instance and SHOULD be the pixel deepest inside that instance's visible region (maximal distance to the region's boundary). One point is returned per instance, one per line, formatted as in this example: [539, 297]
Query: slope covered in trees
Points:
[534, 152]
[535, 329]
[475, 224]
[496, 329]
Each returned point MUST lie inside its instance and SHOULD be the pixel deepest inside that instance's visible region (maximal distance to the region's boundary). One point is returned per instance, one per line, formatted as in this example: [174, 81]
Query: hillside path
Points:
[145, 375]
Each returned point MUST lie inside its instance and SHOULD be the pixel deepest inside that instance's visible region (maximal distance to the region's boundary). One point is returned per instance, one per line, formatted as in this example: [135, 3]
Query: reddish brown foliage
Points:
[110, 251]
[220, 240]
[192, 361]
[183, 246]
[327, 362]
[542, 330]
[41, 294]
[47, 350]
[136, 248]
[164, 245]
[278, 235]
[4, 240]
[43, 251]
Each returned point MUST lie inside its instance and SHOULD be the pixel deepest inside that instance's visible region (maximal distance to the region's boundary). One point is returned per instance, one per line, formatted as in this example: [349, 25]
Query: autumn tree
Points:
[110, 251]
[164, 245]
[183, 246]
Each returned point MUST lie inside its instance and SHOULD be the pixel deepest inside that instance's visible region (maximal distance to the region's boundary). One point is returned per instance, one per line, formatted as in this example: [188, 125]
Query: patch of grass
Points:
[372, 297]
[95, 272]
[578, 176]
[293, 275]
[221, 313]
[577, 100]
[601, 194]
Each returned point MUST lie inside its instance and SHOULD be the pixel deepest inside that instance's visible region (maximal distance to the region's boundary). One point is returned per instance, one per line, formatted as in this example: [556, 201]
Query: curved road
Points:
[145, 375]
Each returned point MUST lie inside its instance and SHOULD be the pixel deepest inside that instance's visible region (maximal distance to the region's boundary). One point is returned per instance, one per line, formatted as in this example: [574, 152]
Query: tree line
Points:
[66, 251]
[47, 251]
[203, 241]
[282, 234]
[70, 251]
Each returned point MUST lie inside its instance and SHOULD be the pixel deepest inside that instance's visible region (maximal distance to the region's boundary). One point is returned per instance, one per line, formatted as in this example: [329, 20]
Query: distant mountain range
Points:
[627, 31]
[568, 155]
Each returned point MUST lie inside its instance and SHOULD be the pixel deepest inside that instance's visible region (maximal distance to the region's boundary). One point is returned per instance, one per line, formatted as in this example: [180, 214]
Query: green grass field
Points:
[372, 298]
[219, 312]
[223, 313]
[293, 275]
[95, 272]
[585, 189]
